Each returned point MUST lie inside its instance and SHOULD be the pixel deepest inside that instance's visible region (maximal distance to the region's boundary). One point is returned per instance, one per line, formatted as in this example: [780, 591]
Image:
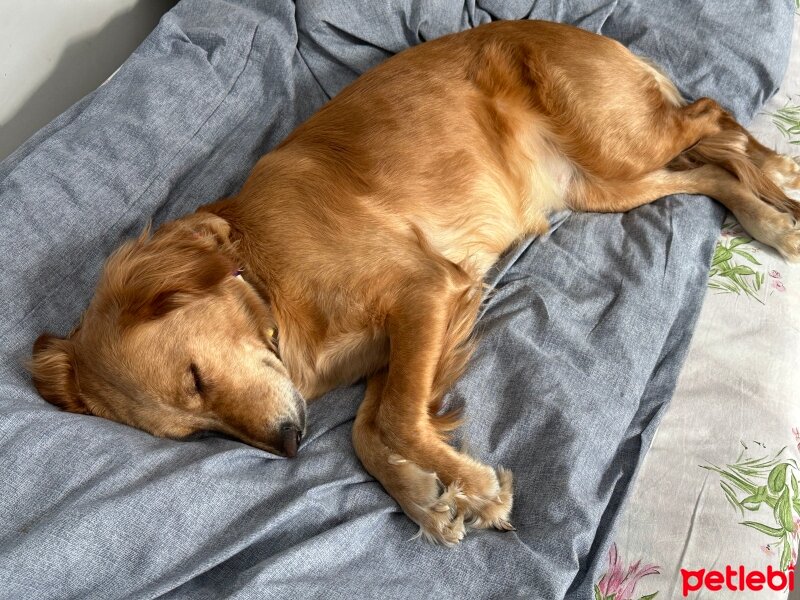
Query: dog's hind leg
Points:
[697, 148]
[783, 170]
[760, 219]
[768, 174]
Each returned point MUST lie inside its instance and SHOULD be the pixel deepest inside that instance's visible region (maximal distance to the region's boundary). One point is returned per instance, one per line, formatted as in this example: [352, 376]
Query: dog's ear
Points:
[207, 225]
[53, 371]
[148, 277]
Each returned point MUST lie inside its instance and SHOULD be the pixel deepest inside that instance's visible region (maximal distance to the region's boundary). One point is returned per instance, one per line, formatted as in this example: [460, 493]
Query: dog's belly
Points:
[505, 204]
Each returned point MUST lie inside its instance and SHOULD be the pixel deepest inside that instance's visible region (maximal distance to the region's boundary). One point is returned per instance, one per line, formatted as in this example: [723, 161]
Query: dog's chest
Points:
[341, 358]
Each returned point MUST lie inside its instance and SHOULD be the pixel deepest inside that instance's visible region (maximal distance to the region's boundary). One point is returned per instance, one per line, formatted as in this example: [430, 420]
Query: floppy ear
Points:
[209, 226]
[183, 260]
[53, 372]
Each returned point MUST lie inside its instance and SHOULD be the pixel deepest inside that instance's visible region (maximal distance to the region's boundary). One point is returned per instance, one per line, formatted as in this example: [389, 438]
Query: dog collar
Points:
[272, 332]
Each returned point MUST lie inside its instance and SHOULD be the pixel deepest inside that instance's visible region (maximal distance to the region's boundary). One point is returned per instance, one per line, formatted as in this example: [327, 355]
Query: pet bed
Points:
[581, 341]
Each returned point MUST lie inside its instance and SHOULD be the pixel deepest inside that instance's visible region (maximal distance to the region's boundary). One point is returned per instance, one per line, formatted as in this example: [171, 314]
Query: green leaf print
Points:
[735, 270]
[753, 502]
[768, 485]
[771, 531]
[787, 120]
[747, 255]
[777, 478]
[721, 255]
[786, 555]
[783, 511]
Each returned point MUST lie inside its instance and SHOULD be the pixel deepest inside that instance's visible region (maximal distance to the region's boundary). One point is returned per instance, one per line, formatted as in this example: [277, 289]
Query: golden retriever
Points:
[357, 248]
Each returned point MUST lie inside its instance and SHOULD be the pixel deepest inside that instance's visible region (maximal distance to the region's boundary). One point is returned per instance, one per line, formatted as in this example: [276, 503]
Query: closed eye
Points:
[198, 382]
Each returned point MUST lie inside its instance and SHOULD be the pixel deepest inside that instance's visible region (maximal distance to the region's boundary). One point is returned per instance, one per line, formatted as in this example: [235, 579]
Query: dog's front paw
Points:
[475, 497]
[442, 522]
[487, 503]
[427, 501]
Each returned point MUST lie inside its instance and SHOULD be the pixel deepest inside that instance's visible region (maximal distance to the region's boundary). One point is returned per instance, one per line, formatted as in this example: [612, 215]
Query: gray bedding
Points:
[580, 344]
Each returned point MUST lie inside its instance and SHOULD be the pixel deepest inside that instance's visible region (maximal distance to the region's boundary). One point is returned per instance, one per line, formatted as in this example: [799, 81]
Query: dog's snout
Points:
[290, 436]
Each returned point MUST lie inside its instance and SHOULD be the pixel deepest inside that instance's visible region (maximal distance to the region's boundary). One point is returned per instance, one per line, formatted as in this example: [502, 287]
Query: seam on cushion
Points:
[312, 41]
[610, 12]
[134, 203]
[313, 75]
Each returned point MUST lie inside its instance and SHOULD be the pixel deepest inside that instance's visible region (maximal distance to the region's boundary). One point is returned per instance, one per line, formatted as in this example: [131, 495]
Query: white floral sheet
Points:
[715, 509]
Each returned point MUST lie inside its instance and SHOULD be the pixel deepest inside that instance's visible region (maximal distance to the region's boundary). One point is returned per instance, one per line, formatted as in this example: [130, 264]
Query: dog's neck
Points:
[286, 335]
[297, 323]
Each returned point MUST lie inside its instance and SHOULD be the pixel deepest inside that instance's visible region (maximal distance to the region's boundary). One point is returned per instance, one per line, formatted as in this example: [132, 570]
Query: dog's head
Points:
[175, 342]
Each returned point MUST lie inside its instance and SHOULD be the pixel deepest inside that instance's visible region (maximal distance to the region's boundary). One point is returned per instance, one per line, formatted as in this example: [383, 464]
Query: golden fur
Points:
[364, 238]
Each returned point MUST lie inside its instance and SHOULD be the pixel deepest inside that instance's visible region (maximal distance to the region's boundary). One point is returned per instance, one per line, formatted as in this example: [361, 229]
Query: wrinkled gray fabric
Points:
[581, 341]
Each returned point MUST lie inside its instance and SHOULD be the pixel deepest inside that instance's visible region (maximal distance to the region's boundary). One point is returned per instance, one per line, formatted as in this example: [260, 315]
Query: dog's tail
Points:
[738, 152]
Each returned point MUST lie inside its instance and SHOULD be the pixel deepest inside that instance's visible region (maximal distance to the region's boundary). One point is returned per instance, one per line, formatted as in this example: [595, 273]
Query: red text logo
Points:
[737, 580]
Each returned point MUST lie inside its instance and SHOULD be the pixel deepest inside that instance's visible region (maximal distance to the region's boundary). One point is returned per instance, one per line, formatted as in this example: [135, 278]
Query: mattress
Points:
[718, 487]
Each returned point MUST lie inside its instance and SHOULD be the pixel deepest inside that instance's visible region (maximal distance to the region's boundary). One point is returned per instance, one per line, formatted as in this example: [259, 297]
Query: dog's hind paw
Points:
[784, 172]
[789, 245]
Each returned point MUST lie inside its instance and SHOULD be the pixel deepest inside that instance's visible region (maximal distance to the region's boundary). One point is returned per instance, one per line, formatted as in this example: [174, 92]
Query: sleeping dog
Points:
[357, 248]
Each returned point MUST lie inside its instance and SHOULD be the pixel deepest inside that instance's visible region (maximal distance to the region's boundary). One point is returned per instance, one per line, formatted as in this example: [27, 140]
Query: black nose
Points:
[290, 436]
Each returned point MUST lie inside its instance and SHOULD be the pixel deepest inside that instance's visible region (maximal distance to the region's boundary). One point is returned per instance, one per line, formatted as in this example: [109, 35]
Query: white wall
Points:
[54, 52]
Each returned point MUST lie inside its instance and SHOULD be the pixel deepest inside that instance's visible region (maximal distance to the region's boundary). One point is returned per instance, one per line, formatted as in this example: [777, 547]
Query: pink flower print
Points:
[768, 550]
[619, 582]
[778, 285]
[775, 274]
